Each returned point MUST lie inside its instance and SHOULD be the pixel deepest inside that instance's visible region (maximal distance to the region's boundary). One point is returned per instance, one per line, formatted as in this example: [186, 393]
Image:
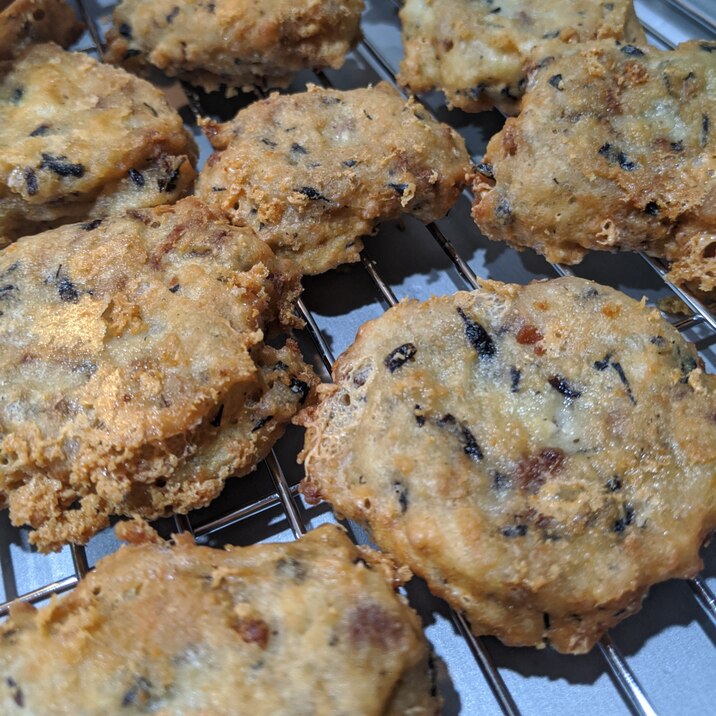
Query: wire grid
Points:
[284, 495]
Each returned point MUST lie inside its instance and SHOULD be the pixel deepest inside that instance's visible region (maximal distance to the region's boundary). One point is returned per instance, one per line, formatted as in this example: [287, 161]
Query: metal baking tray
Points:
[660, 661]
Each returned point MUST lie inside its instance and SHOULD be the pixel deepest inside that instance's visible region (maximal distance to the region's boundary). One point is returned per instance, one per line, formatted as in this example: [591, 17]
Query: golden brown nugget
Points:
[310, 628]
[80, 140]
[615, 149]
[23, 22]
[476, 51]
[313, 172]
[236, 43]
[541, 455]
[134, 378]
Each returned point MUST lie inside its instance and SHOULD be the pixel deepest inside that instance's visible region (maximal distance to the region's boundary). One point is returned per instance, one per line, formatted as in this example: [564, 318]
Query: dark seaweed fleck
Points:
[67, 290]
[218, 188]
[622, 376]
[211, 7]
[367, 115]
[91, 225]
[311, 193]
[402, 492]
[137, 177]
[514, 531]
[137, 693]
[16, 95]
[623, 522]
[216, 420]
[399, 189]
[350, 163]
[561, 385]
[503, 210]
[172, 14]
[614, 156]
[604, 363]
[419, 418]
[486, 170]
[17, 696]
[470, 446]
[658, 340]
[495, 10]
[151, 109]
[125, 30]
[400, 356]
[268, 142]
[545, 620]
[609, 6]
[556, 81]
[500, 481]
[6, 290]
[515, 377]
[708, 46]
[477, 336]
[175, 288]
[688, 363]
[614, 484]
[298, 149]
[40, 130]
[652, 208]
[60, 166]
[550, 35]
[300, 388]
[31, 181]
[632, 51]
[169, 184]
[704, 129]
[292, 568]
[677, 146]
[261, 422]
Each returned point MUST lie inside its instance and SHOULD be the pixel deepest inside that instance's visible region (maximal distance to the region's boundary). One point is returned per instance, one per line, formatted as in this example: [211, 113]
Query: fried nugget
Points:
[236, 43]
[310, 627]
[80, 140]
[476, 51]
[313, 172]
[134, 378]
[614, 150]
[23, 22]
[540, 454]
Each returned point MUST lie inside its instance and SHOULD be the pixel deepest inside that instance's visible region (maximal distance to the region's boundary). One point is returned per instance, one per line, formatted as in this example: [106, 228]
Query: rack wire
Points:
[285, 496]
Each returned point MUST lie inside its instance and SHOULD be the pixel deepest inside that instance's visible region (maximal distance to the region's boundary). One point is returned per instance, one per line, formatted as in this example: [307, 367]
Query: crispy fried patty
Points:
[134, 378]
[313, 172]
[615, 150]
[476, 51]
[235, 43]
[311, 628]
[80, 140]
[541, 455]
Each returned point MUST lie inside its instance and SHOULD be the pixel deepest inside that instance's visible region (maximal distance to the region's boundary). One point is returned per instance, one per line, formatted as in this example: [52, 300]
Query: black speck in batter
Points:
[477, 336]
[400, 356]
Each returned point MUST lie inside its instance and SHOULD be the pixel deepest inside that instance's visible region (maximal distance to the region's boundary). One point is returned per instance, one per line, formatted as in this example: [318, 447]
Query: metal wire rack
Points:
[283, 496]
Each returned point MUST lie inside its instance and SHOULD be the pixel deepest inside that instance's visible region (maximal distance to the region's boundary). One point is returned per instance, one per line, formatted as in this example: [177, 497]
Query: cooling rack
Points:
[660, 661]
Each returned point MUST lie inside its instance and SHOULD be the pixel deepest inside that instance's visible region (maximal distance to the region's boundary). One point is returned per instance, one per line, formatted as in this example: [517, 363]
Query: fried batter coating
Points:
[23, 22]
[313, 172]
[236, 43]
[541, 455]
[134, 378]
[308, 627]
[475, 51]
[81, 140]
[615, 149]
